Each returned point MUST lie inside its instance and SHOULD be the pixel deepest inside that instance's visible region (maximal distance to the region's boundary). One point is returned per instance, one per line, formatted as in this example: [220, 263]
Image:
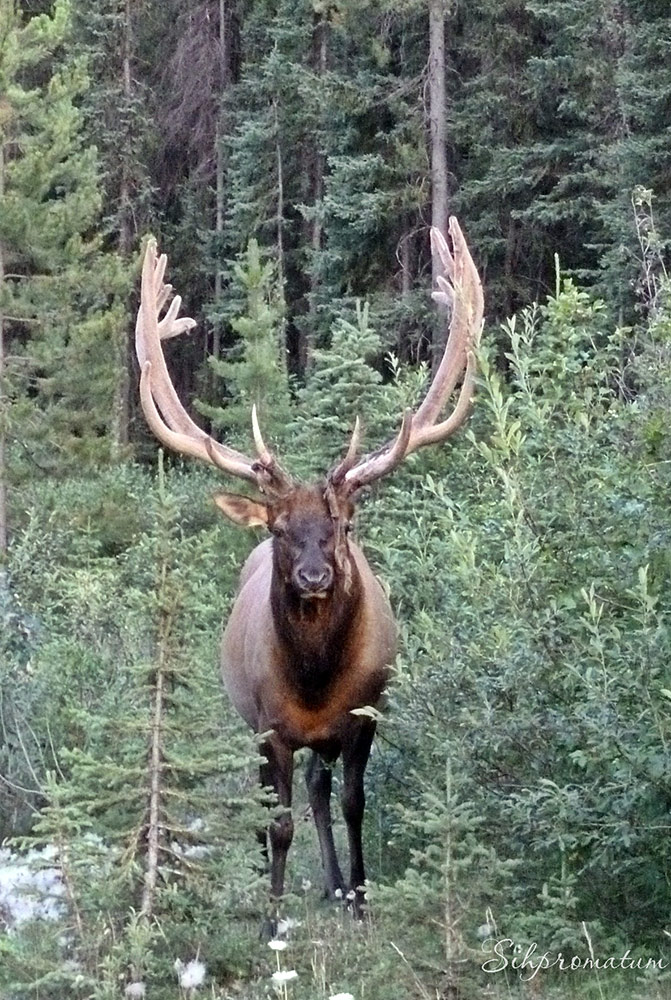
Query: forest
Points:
[290, 157]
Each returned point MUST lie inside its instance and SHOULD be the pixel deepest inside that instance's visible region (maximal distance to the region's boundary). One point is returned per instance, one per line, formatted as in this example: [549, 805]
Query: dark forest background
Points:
[290, 158]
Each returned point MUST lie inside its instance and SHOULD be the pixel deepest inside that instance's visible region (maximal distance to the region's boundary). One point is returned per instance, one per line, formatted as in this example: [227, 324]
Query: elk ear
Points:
[243, 510]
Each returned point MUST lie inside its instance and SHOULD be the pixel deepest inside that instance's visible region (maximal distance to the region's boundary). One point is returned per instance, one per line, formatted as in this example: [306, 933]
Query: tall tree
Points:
[3, 468]
[496, 117]
[272, 160]
[60, 365]
[254, 373]
[115, 119]
[377, 180]
[554, 129]
[438, 140]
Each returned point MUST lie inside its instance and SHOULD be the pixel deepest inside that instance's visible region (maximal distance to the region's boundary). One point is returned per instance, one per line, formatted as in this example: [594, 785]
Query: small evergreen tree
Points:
[342, 384]
[255, 372]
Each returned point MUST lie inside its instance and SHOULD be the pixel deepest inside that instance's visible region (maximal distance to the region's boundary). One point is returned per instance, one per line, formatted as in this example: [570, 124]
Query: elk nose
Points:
[312, 580]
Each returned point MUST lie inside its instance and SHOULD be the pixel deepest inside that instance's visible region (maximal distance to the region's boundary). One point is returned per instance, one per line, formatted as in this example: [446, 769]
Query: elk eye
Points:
[279, 530]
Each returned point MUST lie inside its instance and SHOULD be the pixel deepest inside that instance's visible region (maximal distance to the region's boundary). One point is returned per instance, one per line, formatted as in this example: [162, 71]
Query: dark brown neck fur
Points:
[314, 634]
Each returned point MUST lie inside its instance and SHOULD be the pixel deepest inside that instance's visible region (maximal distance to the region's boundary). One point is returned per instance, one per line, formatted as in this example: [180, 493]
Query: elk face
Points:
[309, 528]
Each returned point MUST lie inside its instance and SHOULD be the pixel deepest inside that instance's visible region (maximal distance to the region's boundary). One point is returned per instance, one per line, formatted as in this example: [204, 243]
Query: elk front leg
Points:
[277, 772]
[356, 751]
[318, 779]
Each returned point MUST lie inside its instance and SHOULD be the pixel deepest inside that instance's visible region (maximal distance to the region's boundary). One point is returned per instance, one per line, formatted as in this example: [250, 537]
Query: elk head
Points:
[310, 524]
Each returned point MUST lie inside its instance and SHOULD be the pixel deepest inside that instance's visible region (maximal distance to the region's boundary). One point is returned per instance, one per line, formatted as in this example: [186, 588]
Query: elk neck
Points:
[316, 634]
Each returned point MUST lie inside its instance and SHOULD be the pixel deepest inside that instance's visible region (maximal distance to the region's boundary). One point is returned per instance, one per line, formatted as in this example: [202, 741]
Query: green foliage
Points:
[520, 783]
[342, 384]
[121, 628]
[534, 579]
[254, 373]
[555, 128]
[60, 323]
[114, 110]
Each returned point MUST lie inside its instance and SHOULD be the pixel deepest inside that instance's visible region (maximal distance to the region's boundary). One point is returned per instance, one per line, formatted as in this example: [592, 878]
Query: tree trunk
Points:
[404, 347]
[316, 168]
[220, 172]
[438, 141]
[281, 268]
[121, 426]
[158, 685]
[154, 810]
[3, 401]
[509, 269]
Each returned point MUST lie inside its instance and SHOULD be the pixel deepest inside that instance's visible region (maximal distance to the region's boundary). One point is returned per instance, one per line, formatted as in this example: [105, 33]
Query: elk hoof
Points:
[356, 903]
[268, 930]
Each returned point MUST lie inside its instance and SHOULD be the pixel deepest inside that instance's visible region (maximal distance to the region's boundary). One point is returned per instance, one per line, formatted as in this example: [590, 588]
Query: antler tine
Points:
[460, 288]
[271, 476]
[172, 425]
[381, 461]
[265, 458]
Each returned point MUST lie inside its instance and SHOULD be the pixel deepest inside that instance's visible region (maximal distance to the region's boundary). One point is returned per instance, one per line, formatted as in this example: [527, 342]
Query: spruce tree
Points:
[343, 384]
[59, 331]
[556, 125]
[377, 182]
[115, 106]
[255, 372]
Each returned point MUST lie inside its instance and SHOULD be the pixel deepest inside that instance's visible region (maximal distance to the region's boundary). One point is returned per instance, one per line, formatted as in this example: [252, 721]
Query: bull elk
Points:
[311, 636]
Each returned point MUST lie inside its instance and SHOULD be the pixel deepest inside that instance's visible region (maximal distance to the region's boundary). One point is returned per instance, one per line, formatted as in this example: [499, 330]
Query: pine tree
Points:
[377, 183]
[270, 115]
[496, 118]
[115, 119]
[342, 385]
[60, 334]
[555, 128]
[255, 372]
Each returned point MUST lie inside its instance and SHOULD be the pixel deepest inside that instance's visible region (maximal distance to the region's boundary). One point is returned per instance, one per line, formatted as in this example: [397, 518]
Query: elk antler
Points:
[172, 425]
[460, 288]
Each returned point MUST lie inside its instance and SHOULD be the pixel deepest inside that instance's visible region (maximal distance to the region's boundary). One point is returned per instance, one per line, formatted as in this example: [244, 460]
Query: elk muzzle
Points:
[313, 576]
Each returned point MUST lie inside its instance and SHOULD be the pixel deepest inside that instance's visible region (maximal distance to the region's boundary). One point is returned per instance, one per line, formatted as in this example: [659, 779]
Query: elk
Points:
[309, 644]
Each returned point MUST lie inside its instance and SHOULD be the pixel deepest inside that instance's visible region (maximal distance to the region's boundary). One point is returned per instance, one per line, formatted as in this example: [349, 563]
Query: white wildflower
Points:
[284, 976]
[135, 991]
[338, 894]
[351, 895]
[285, 925]
[277, 945]
[191, 975]
[306, 885]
